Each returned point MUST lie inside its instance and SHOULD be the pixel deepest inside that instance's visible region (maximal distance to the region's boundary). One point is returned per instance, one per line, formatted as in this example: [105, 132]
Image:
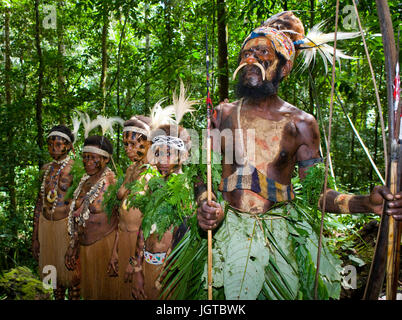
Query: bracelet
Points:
[204, 196]
[132, 261]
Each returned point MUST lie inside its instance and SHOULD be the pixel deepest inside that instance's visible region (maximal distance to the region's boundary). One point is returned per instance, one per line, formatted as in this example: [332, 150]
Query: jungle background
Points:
[117, 58]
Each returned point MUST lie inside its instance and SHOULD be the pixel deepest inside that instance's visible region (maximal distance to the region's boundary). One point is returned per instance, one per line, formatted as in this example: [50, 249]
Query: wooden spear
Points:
[386, 255]
[209, 170]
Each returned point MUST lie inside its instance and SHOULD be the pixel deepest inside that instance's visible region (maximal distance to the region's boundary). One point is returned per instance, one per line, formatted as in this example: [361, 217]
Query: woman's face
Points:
[94, 163]
[166, 159]
[58, 147]
[136, 145]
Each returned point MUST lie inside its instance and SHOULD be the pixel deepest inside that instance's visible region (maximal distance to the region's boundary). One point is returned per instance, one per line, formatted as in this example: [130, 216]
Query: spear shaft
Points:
[385, 260]
[209, 169]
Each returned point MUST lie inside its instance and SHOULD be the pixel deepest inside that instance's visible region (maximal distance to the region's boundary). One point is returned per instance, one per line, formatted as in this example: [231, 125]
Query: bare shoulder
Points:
[297, 115]
[223, 111]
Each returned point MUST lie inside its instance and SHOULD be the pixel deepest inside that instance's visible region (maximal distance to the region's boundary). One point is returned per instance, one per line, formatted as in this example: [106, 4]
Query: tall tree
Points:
[105, 20]
[10, 134]
[39, 92]
[223, 70]
[61, 52]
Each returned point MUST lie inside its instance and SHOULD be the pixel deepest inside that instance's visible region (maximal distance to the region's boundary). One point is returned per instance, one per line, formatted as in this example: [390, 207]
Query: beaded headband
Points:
[279, 40]
[170, 141]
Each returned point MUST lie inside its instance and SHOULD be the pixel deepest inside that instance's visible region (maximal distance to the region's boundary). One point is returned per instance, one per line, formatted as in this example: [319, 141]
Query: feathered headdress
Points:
[317, 41]
[286, 33]
[76, 126]
[182, 104]
[161, 116]
[105, 123]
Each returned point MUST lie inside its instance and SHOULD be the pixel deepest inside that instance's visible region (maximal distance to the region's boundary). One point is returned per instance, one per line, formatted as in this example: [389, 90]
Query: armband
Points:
[309, 162]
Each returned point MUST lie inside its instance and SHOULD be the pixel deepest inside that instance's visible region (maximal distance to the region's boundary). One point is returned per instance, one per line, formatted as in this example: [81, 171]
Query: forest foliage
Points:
[118, 58]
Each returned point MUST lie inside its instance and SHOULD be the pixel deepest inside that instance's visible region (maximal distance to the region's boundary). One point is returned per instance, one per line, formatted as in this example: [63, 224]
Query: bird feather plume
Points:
[182, 104]
[76, 126]
[87, 123]
[317, 41]
[107, 123]
[161, 116]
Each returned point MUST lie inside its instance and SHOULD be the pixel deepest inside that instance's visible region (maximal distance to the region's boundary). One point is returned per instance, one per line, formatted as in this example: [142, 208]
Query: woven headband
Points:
[279, 40]
[59, 134]
[93, 149]
[136, 129]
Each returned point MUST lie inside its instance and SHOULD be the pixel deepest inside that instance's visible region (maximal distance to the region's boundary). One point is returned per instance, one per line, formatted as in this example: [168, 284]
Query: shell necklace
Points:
[52, 194]
[89, 197]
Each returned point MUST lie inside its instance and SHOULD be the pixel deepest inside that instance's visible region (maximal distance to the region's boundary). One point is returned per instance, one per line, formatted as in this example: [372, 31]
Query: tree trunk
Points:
[118, 88]
[104, 57]
[169, 41]
[39, 93]
[223, 71]
[7, 86]
[147, 66]
[61, 52]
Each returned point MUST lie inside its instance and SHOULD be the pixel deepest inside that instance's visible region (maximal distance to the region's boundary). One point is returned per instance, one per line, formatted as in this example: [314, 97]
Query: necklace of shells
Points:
[52, 194]
[89, 197]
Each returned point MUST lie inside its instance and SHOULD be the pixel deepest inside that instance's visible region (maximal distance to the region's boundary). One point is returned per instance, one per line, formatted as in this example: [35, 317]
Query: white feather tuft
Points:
[161, 116]
[87, 123]
[76, 126]
[316, 41]
[182, 104]
[107, 123]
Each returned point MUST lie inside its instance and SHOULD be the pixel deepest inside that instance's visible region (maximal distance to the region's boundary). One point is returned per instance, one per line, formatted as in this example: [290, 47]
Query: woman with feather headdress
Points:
[50, 238]
[136, 142]
[166, 198]
[92, 232]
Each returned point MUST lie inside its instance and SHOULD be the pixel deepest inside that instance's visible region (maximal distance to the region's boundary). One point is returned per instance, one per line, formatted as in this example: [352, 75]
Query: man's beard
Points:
[266, 89]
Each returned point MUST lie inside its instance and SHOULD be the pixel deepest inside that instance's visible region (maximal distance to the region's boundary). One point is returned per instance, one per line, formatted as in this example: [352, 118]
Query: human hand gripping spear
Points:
[386, 255]
[209, 169]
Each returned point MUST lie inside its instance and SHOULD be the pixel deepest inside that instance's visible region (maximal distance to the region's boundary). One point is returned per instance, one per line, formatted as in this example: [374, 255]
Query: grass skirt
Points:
[54, 240]
[96, 284]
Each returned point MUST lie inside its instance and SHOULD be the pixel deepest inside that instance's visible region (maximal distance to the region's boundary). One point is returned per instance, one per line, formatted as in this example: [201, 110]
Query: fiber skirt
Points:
[54, 240]
[96, 284]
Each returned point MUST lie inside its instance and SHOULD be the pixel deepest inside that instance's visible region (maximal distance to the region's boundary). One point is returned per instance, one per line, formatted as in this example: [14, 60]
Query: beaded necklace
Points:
[52, 194]
[89, 197]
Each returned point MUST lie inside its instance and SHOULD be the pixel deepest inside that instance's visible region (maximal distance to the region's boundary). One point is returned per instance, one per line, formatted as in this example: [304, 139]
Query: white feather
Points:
[316, 41]
[87, 123]
[182, 104]
[107, 123]
[161, 116]
[76, 126]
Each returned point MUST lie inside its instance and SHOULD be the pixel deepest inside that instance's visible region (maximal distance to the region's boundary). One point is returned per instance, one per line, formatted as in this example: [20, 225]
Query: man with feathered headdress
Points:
[271, 137]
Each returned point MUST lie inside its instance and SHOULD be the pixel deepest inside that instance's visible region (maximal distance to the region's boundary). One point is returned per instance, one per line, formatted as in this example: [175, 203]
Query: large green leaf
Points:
[246, 259]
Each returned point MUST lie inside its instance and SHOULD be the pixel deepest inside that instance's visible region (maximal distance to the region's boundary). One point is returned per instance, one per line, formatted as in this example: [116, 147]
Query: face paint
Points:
[93, 163]
[58, 147]
[166, 159]
[250, 84]
[136, 145]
